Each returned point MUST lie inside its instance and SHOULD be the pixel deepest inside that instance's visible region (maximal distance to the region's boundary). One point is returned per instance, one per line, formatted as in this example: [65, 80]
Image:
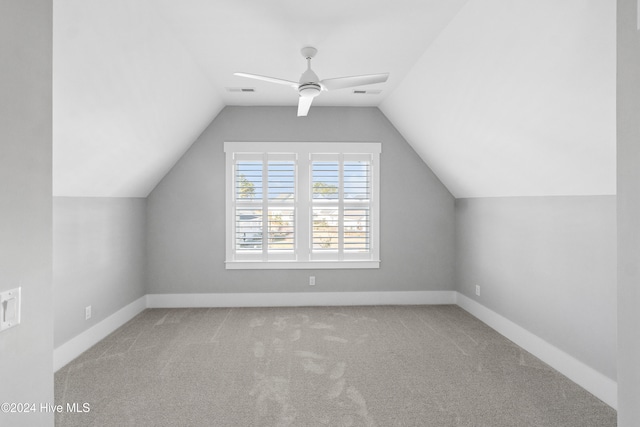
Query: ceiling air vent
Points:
[241, 89]
[366, 92]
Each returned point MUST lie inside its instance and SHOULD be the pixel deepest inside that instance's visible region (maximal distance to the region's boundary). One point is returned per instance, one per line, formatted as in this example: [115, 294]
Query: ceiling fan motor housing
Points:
[309, 76]
[309, 90]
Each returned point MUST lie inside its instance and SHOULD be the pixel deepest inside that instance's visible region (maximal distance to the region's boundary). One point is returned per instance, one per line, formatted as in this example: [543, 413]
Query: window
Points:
[302, 205]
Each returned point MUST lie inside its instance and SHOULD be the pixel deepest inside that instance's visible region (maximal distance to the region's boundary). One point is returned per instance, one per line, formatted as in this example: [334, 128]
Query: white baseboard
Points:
[601, 386]
[82, 342]
[591, 380]
[300, 299]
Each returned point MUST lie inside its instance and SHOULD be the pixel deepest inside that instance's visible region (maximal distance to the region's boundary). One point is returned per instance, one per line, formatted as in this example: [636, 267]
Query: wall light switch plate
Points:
[9, 308]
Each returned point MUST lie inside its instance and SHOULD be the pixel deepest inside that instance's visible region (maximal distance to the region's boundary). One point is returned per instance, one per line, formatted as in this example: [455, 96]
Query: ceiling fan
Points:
[310, 85]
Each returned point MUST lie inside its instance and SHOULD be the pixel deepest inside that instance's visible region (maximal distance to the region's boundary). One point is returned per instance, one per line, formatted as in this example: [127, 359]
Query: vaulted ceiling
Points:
[498, 97]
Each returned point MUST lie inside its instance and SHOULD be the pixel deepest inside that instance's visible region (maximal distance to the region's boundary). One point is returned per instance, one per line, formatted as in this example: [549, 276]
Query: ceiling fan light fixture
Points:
[309, 90]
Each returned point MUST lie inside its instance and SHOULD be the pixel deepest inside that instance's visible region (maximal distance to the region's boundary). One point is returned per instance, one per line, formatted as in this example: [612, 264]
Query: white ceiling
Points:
[499, 97]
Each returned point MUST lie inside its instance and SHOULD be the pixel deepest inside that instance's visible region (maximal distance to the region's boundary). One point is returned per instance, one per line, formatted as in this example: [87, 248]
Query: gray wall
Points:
[549, 265]
[26, 351]
[186, 211]
[628, 105]
[98, 259]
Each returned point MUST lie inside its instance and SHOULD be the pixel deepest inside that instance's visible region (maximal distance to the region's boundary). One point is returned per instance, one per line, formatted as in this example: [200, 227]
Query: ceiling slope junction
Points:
[498, 97]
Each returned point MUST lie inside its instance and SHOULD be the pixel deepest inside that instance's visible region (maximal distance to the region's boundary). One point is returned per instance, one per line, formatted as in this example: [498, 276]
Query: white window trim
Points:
[303, 180]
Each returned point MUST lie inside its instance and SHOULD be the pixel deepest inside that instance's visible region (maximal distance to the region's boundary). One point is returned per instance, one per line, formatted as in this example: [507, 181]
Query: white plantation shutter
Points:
[302, 205]
[264, 212]
[341, 206]
[357, 205]
[281, 204]
[325, 195]
[248, 191]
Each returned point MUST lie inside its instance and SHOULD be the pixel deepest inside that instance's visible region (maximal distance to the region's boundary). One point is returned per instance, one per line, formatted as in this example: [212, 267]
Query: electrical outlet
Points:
[312, 280]
[87, 312]
[478, 290]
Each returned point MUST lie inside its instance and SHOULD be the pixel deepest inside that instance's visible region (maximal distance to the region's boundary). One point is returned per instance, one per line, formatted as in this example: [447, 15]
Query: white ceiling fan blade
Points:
[268, 79]
[304, 103]
[344, 82]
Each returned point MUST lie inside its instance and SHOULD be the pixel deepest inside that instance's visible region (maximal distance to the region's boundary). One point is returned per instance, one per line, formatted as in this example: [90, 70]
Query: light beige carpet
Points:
[320, 366]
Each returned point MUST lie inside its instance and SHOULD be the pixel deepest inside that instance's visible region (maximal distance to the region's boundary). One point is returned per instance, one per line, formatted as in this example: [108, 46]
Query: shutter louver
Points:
[248, 179]
[356, 229]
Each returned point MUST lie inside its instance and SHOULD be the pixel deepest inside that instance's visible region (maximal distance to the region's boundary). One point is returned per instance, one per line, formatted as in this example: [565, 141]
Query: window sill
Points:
[290, 265]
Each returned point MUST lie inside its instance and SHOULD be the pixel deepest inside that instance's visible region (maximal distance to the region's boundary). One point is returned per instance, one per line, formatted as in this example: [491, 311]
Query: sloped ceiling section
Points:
[135, 82]
[128, 99]
[516, 98]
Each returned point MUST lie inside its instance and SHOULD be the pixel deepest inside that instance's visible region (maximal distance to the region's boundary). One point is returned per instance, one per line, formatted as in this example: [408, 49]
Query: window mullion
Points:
[303, 207]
